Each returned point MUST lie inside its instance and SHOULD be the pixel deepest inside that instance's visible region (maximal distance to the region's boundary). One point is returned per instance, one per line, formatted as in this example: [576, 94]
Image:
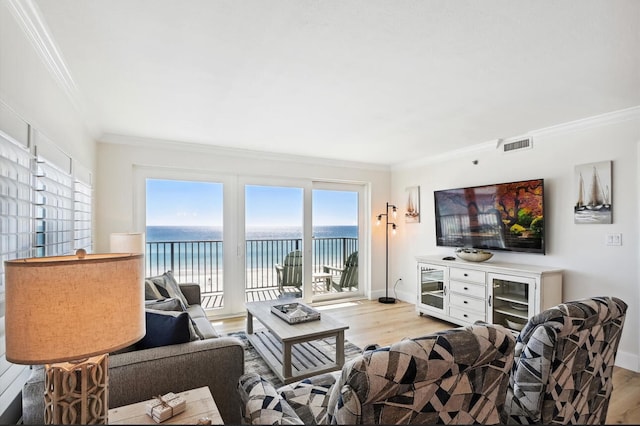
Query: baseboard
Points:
[628, 361]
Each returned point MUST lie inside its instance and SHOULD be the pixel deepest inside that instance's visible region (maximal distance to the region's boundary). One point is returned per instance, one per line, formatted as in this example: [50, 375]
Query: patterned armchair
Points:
[564, 363]
[457, 376]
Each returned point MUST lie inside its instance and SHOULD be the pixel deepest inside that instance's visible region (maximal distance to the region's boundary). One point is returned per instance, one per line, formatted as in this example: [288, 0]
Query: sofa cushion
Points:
[166, 328]
[168, 287]
[201, 323]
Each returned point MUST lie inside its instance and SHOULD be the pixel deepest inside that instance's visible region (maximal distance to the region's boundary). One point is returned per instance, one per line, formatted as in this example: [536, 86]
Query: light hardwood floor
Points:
[372, 322]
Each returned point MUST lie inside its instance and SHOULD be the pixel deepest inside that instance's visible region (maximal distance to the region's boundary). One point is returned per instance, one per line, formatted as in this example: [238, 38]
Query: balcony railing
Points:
[201, 261]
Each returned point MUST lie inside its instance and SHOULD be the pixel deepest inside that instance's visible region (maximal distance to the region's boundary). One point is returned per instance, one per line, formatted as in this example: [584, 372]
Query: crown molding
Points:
[600, 120]
[28, 17]
[153, 143]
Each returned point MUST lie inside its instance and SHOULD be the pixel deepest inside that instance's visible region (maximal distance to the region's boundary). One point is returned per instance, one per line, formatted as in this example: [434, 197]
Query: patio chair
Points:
[289, 273]
[563, 366]
[347, 276]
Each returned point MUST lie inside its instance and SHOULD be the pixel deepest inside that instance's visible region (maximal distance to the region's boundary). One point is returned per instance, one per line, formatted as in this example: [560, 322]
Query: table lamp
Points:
[127, 242]
[69, 312]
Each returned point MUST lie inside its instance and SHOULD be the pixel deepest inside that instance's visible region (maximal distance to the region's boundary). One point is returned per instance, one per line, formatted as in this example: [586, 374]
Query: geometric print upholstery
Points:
[457, 376]
[564, 358]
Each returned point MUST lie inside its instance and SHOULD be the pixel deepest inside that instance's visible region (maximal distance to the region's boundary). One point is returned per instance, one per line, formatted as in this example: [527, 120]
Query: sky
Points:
[187, 203]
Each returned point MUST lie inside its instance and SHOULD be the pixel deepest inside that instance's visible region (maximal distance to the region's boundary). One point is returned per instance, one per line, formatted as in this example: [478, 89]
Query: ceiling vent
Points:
[517, 145]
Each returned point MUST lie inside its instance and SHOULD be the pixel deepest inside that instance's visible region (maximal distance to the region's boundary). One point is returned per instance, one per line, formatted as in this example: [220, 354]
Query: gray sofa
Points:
[134, 376]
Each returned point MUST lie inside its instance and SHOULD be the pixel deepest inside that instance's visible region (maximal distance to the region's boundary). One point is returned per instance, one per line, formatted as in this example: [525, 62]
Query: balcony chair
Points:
[563, 366]
[347, 276]
[457, 376]
[289, 273]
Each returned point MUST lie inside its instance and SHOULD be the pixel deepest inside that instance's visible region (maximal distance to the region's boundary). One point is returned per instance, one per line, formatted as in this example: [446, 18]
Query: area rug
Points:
[253, 362]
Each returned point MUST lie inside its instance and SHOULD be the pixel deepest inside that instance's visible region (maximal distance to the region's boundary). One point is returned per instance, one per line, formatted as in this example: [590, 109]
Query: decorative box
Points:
[164, 407]
[294, 313]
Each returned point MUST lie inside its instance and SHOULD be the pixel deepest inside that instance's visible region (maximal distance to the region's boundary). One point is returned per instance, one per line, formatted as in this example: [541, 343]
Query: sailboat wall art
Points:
[593, 193]
[412, 209]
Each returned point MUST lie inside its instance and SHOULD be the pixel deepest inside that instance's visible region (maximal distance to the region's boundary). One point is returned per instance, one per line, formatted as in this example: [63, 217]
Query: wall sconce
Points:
[394, 212]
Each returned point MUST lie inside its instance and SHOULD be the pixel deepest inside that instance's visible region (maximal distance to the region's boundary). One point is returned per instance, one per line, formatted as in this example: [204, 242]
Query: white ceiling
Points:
[363, 80]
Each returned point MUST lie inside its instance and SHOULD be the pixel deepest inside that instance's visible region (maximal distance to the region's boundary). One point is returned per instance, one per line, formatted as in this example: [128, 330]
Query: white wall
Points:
[591, 268]
[28, 88]
[116, 193]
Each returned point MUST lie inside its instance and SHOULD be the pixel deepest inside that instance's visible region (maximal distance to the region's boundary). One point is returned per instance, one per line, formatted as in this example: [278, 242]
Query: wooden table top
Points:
[285, 331]
[200, 404]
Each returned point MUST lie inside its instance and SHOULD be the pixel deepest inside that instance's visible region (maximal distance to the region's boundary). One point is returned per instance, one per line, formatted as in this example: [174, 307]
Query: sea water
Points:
[194, 253]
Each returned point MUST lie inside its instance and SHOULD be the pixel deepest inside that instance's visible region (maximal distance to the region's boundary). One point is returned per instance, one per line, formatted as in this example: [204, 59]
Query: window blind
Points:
[16, 238]
[54, 210]
[44, 211]
[82, 235]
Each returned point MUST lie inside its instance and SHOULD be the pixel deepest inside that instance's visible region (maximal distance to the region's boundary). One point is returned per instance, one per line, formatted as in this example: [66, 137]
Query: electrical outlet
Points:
[614, 239]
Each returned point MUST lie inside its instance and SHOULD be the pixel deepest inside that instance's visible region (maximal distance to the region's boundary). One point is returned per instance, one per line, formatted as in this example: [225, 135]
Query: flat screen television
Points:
[504, 216]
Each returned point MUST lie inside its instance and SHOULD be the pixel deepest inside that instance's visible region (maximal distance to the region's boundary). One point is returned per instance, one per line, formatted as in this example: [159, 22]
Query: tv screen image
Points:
[505, 216]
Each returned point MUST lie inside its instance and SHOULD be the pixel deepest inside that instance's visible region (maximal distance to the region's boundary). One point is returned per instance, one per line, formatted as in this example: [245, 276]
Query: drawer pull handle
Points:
[465, 302]
[466, 288]
[465, 315]
[466, 275]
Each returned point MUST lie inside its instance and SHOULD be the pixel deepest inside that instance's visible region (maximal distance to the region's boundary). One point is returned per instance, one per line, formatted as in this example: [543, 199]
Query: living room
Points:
[603, 125]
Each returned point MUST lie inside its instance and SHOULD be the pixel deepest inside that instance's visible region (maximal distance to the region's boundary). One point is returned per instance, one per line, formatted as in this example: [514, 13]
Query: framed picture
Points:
[593, 193]
[412, 209]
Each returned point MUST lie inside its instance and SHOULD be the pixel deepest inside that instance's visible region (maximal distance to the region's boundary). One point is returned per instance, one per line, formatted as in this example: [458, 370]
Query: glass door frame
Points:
[234, 225]
[364, 224]
[305, 185]
[229, 183]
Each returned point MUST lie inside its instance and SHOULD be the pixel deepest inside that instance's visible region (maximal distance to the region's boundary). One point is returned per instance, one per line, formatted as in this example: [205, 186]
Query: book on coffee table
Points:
[294, 313]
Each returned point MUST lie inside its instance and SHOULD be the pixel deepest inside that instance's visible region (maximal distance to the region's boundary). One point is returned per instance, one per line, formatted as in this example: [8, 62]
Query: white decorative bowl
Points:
[514, 325]
[473, 255]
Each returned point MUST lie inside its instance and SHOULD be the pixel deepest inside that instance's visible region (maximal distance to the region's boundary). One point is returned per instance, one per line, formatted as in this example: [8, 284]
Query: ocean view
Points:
[194, 253]
[214, 233]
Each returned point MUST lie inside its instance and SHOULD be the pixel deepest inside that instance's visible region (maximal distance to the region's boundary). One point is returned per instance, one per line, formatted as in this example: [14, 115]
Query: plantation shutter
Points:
[82, 235]
[54, 203]
[16, 238]
[44, 211]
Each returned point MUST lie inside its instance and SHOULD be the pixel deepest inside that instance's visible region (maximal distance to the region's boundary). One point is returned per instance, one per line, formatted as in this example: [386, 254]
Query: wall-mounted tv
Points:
[504, 216]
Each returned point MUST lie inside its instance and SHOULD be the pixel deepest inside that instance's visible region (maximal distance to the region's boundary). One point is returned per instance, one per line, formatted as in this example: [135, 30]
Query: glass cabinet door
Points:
[433, 291]
[512, 300]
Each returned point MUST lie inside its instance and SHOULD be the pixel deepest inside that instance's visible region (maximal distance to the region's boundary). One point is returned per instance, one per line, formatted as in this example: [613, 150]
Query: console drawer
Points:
[468, 275]
[474, 290]
[464, 315]
[467, 303]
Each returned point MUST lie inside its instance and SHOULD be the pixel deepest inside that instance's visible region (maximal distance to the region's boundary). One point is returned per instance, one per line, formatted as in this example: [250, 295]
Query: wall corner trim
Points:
[29, 19]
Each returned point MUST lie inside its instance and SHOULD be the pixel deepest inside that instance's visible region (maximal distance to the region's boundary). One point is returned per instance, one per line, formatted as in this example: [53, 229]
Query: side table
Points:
[200, 404]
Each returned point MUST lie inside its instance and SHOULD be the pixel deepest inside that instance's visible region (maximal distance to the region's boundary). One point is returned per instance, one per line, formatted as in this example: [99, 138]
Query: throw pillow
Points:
[194, 334]
[171, 304]
[165, 329]
[168, 287]
[151, 292]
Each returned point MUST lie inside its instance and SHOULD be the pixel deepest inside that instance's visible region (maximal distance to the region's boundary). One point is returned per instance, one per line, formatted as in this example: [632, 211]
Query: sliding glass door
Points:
[184, 234]
[252, 238]
[336, 237]
[273, 242]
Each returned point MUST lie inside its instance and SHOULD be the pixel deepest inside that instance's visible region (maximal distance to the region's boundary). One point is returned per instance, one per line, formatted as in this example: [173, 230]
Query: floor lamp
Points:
[386, 298]
[69, 312]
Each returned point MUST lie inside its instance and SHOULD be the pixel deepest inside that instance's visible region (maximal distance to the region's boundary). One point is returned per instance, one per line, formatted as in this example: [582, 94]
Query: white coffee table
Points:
[276, 344]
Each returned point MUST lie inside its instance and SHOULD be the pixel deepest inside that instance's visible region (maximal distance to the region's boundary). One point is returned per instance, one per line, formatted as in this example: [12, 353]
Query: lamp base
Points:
[387, 300]
[76, 392]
